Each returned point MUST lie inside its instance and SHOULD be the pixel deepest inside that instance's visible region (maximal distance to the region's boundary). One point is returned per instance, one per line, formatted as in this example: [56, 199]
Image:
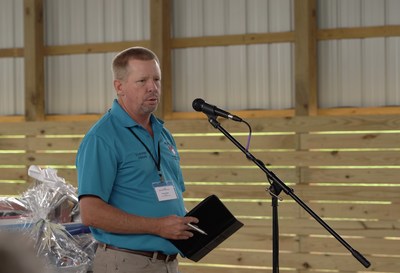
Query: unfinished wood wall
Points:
[346, 169]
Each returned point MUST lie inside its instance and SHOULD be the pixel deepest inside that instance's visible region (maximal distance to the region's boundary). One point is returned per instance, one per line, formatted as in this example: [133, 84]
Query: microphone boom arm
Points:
[278, 185]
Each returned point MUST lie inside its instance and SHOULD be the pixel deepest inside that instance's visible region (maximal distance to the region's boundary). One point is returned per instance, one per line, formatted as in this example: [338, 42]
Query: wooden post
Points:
[160, 43]
[305, 58]
[34, 60]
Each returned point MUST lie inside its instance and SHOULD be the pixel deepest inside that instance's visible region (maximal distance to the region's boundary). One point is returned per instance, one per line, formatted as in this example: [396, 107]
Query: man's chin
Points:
[151, 108]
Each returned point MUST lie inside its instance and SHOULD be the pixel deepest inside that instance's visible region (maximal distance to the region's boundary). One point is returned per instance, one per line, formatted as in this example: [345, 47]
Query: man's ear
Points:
[118, 88]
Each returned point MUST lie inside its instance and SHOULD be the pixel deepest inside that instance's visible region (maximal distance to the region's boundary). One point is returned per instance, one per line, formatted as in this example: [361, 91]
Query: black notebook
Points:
[216, 220]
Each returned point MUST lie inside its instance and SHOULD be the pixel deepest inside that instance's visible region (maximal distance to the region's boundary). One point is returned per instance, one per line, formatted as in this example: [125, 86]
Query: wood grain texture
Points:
[346, 169]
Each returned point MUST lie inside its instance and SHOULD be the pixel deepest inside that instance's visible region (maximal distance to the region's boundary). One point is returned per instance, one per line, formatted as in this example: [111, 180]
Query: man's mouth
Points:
[153, 99]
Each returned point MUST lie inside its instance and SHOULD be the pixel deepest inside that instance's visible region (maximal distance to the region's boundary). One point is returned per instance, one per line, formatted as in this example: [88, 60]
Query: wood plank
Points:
[11, 119]
[45, 128]
[37, 159]
[220, 142]
[160, 43]
[359, 32]
[258, 237]
[21, 174]
[334, 210]
[309, 226]
[305, 59]
[294, 124]
[40, 144]
[69, 175]
[11, 52]
[75, 118]
[244, 114]
[384, 211]
[92, 47]
[350, 141]
[306, 262]
[349, 193]
[278, 124]
[254, 208]
[376, 246]
[292, 262]
[351, 175]
[237, 39]
[14, 189]
[34, 59]
[304, 192]
[296, 158]
[70, 143]
[12, 173]
[232, 174]
[348, 111]
[188, 267]
[13, 144]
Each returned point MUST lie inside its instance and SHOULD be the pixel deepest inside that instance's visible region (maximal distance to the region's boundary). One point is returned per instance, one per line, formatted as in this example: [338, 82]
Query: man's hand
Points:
[175, 227]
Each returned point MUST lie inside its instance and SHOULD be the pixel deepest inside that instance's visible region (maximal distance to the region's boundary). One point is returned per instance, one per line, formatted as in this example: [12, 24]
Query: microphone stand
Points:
[277, 186]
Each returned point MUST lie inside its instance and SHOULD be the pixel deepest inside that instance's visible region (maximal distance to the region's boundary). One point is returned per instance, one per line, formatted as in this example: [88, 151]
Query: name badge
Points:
[165, 190]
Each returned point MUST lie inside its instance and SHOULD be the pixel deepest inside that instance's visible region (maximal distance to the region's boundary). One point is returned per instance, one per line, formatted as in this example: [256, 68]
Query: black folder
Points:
[216, 220]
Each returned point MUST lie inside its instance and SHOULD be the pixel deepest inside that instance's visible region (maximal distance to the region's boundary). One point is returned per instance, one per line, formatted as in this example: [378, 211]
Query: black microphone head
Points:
[198, 104]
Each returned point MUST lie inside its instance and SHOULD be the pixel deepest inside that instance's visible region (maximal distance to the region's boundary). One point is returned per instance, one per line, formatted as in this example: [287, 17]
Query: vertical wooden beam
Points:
[34, 60]
[306, 102]
[160, 43]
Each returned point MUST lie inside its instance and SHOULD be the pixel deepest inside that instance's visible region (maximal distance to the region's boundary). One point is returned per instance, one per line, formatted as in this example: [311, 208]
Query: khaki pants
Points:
[114, 261]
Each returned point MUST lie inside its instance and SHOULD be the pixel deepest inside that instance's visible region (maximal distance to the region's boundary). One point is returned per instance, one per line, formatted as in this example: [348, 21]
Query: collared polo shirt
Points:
[115, 166]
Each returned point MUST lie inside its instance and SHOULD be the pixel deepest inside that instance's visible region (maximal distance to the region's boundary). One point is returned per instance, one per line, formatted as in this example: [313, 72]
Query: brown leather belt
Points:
[157, 255]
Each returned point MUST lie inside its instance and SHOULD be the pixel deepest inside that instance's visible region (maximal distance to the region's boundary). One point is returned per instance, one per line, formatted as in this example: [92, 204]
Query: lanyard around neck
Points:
[156, 162]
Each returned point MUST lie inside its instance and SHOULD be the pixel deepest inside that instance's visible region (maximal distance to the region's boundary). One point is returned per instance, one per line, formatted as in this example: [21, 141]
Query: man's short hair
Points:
[121, 60]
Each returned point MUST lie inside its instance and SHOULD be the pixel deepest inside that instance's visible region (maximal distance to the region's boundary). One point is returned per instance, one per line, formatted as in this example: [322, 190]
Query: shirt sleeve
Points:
[96, 164]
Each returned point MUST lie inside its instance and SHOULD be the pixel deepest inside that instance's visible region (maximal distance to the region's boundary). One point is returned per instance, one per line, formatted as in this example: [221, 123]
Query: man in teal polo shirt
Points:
[130, 183]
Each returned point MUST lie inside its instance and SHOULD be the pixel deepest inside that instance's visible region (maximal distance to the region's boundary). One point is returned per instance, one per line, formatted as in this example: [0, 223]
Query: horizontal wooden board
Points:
[37, 128]
[290, 209]
[377, 246]
[238, 174]
[300, 158]
[372, 211]
[292, 228]
[305, 262]
[350, 141]
[295, 158]
[38, 159]
[294, 124]
[304, 192]
[14, 189]
[256, 208]
[12, 173]
[278, 124]
[242, 175]
[290, 262]
[212, 142]
[373, 175]
[70, 143]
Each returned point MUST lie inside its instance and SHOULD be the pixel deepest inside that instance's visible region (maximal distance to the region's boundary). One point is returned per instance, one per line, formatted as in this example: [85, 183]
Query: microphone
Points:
[201, 106]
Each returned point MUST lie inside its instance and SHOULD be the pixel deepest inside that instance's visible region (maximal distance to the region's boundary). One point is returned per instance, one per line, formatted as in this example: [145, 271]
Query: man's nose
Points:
[153, 85]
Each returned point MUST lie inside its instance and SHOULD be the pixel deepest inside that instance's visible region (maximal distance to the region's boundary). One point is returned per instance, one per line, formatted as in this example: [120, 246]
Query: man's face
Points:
[140, 92]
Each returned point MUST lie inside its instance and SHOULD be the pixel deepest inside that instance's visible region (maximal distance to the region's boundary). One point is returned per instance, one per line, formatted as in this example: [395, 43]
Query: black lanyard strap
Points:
[156, 162]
